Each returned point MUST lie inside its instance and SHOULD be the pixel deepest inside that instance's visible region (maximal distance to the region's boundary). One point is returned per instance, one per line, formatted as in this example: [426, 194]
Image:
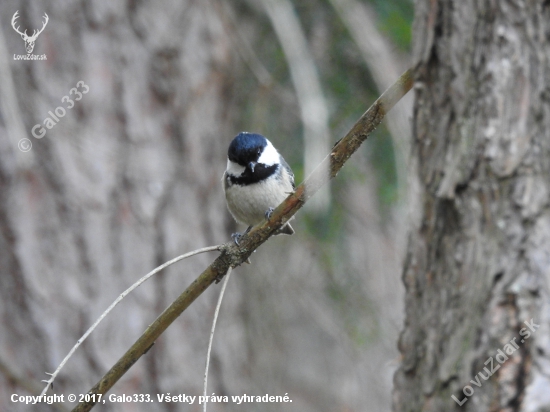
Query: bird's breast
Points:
[248, 203]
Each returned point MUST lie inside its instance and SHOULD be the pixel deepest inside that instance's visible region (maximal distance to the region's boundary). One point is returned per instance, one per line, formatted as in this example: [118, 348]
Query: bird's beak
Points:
[251, 166]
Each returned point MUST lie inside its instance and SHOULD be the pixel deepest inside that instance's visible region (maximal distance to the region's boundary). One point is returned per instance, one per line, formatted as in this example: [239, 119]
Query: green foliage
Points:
[382, 158]
[349, 89]
[395, 20]
[347, 86]
[326, 227]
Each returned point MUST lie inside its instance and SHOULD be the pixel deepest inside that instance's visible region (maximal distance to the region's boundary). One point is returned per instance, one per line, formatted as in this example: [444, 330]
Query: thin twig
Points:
[16, 379]
[233, 255]
[220, 298]
[117, 300]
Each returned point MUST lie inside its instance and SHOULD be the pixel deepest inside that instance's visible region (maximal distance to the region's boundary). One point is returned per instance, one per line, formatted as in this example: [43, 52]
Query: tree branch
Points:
[232, 255]
[49, 382]
[211, 340]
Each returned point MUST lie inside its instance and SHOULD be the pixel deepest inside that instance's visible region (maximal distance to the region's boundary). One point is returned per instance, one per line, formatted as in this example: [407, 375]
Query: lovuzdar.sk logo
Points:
[29, 40]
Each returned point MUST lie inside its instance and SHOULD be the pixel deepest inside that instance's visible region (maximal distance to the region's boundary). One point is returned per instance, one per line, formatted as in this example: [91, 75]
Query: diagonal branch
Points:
[49, 382]
[232, 255]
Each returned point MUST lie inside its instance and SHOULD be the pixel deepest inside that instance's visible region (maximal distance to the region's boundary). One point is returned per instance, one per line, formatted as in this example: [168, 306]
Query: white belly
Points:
[248, 204]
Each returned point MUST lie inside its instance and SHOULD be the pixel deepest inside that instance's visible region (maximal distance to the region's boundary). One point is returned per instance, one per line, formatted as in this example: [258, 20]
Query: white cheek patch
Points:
[269, 156]
[234, 169]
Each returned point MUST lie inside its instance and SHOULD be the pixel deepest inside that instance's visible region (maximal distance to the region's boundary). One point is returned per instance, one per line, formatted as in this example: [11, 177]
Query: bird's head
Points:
[247, 150]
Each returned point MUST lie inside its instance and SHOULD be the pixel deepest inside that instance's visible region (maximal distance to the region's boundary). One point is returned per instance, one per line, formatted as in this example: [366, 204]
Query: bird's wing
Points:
[289, 170]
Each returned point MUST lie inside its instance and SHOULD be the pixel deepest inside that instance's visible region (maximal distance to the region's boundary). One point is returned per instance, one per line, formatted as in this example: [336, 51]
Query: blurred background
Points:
[130, 177]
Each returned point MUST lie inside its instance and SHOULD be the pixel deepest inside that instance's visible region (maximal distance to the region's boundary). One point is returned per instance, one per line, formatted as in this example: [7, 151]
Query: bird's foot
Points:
[268, 213]
[236, 237]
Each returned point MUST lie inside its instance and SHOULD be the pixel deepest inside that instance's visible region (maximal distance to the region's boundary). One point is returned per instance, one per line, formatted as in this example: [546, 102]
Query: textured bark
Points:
[111, 191]
[478, 263]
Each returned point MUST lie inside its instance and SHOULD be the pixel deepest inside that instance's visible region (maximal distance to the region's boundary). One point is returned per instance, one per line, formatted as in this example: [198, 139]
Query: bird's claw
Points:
[268, 213]
[236, 237]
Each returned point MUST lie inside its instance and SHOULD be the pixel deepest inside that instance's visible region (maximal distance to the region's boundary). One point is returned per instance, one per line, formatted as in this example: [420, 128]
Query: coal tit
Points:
[257, 179]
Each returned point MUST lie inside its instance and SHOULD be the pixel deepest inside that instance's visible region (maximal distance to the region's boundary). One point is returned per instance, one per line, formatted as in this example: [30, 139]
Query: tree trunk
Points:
[478, 264]
[120, 184]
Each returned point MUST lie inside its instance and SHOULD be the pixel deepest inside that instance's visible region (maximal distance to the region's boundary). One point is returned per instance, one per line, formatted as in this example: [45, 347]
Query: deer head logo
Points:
[29, 40]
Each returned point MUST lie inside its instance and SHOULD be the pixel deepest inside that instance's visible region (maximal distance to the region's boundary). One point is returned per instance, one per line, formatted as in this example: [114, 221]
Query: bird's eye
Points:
[259, 152]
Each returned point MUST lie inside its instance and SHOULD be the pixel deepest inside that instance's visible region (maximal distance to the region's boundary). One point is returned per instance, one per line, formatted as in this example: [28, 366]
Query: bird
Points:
[257, 179]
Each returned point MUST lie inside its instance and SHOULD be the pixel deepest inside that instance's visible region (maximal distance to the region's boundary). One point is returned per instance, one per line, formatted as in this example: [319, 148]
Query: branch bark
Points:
[233, 255]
